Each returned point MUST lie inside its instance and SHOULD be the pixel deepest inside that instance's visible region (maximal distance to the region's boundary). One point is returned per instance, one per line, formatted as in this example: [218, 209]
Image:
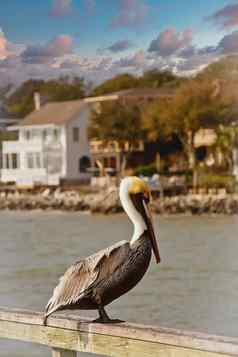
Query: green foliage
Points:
[156, 79]
[122, 81]
[155, 120]
[150, 79]
[193, 107]
[21, 102]
[217, 181]
[146, 170]
[225, 69]
[116, 121]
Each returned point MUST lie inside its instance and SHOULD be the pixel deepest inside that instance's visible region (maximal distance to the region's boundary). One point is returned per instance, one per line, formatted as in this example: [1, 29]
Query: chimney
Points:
[37, 100]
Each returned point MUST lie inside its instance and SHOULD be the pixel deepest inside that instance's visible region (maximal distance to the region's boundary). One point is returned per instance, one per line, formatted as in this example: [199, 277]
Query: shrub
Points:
[217, 181]
[146, 170]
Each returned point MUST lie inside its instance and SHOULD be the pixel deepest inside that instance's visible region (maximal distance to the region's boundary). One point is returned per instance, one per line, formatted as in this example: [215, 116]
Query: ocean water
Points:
[195, 287]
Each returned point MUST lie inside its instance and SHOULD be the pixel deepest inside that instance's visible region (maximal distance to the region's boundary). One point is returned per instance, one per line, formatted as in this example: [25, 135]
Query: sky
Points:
[98, 39]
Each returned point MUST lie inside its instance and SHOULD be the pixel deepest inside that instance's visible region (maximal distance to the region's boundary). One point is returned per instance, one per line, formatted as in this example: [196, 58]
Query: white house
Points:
[52, 146]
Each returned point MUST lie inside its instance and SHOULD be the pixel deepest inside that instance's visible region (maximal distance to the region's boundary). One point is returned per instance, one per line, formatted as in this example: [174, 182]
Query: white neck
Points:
[133, 214]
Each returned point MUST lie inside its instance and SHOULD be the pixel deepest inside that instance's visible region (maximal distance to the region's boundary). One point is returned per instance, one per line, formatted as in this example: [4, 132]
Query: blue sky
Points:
[100, 38]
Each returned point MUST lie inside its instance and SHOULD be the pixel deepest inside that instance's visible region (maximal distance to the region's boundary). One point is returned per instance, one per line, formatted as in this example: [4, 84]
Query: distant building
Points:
[109, 155]
[52, 146]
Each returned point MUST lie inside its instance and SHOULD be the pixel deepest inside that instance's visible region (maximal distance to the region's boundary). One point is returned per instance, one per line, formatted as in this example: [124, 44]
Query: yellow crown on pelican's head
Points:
[139, 186]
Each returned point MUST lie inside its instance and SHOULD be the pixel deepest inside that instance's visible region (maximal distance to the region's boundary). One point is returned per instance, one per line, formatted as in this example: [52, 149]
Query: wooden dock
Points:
[66, 335]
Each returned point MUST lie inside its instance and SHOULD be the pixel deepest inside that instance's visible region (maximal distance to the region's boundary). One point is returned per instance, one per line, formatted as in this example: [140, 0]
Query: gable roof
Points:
[146, 92]
[58, 113]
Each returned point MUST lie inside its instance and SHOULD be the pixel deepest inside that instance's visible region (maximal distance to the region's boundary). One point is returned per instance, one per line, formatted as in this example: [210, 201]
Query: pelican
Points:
[94, 282]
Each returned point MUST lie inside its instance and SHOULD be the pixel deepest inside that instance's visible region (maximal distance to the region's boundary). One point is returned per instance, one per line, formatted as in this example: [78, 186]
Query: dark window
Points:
[56, 134]
[75, 134]
[28, 134]
[84, 163]
[15, 161]
[44, 134]
[30, 160]
[7, 161]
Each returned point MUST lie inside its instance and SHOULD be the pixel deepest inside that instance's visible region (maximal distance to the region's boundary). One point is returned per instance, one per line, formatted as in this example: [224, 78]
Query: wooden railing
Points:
[66, 335]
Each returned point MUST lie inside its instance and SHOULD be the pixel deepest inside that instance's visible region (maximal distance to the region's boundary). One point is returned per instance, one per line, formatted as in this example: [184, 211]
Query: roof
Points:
[58, 113]
[146, 92]
[134, 93]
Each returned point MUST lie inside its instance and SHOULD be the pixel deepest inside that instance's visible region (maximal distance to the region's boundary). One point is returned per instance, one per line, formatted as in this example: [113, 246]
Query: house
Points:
[109, 155]
[52, 146]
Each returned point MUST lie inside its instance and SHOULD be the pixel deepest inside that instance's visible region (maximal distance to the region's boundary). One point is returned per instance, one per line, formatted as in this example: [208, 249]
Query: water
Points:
[195, 287]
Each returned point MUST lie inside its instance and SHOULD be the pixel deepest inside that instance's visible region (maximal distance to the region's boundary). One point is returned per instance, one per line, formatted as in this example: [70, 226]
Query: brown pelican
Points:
[95, 281]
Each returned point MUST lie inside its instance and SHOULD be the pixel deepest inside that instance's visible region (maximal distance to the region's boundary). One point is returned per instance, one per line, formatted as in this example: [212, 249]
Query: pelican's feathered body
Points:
[95, 281]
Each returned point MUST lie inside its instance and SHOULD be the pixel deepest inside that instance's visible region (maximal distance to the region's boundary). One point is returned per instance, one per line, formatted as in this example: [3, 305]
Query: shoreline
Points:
[108, 202]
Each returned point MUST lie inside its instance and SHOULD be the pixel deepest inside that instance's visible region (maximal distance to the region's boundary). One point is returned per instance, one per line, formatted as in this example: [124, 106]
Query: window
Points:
[75, 134]
[15, 161]
[38, 160]
[30, 160]
[27, 134]
[11, 161]
[44, 134]
[6, 157]
[84, 164]
[56, 134]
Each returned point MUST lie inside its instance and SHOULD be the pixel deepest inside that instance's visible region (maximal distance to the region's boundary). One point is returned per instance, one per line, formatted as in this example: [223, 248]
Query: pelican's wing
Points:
[80, 276]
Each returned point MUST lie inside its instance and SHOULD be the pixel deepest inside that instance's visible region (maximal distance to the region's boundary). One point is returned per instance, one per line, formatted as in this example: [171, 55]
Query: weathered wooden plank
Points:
[63, 353]
[95, 343]
[66, 331]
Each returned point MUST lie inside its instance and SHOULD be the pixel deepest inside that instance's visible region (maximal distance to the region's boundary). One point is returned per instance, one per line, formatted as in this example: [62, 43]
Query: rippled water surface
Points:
[195, 287]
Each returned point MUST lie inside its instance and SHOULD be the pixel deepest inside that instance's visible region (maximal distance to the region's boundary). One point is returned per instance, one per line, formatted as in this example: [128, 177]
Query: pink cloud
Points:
[132, 13]
[227, 17]
[169, 41]
[57, 47]
[3, 46]
[61, 8]
[229, 43]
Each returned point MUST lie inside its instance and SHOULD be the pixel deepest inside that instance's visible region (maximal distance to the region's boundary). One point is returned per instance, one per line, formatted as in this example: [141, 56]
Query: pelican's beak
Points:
[149, 223]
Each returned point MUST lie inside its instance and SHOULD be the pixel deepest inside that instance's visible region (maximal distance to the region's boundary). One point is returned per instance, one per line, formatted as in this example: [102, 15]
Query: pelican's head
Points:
[135, 197]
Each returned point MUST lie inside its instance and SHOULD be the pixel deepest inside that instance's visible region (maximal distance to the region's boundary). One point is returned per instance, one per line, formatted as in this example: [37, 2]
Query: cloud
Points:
[137, 60]
[229, 43]
[132, 13]
[9, 49]
[227, 17]
[61, 8]
[57, 47]
[169, 42]
[3, 46]
[118, 46]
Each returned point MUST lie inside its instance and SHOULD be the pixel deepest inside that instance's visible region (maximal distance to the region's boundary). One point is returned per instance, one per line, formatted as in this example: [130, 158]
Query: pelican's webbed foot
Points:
[104, 318]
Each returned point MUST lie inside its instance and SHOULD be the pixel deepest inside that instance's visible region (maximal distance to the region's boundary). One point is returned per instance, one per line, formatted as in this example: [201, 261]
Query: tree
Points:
[21, 101]
[120, 82]
[226, 143]
[193, 107]
[149, 79]
[119, 122]
[156, 79]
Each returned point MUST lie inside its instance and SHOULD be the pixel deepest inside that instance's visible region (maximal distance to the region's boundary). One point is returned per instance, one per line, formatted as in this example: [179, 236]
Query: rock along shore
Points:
[107, 202]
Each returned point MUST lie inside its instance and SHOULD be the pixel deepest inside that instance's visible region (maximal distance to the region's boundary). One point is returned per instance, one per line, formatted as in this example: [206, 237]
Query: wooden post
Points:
[63, 353]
